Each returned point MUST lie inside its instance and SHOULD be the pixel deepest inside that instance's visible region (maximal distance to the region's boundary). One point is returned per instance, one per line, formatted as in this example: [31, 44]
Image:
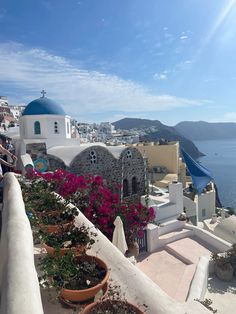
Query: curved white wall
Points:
[18, 278]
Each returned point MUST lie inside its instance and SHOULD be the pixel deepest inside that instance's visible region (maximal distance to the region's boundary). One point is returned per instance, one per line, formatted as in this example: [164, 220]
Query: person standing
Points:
[6, 153]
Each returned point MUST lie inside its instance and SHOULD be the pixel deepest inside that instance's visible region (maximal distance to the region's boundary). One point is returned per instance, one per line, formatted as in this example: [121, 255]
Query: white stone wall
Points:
[47, 126]
[190, 207]
[199, 283]
[220, 244]
[206, 201]
[18, 278]
[170, 209]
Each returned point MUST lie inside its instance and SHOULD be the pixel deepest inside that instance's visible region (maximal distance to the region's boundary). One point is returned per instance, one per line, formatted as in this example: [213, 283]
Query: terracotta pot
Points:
[224, 272]
[79, 249]
[55, 228]
[86, 294]
[51, 212]
[92, 306]
[133, 249]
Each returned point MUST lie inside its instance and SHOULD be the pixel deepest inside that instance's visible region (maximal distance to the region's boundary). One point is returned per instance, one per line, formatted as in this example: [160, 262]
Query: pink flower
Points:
[140, 233]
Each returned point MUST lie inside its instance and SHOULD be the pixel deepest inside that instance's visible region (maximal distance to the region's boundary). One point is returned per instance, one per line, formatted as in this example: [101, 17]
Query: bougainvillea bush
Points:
[97, 202]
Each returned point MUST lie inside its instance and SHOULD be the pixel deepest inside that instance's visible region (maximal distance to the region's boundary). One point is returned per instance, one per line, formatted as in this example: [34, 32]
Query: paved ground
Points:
[172, 268]
[222, 294]
[164, 269]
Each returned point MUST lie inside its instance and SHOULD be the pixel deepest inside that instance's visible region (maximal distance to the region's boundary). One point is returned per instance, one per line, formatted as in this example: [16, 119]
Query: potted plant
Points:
[78, 239]
[78, 278]
[112, 303]
[112, 306]
[52, 222]
[135, 218]
[50, 203]
[223, 268]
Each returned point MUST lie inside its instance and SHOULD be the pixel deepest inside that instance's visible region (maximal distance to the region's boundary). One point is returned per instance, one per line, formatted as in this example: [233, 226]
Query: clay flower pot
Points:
[133, 249]
[224, 272]
[86, 294]
[55, 228]
[91, 308]
[79, 249]
[51, 212]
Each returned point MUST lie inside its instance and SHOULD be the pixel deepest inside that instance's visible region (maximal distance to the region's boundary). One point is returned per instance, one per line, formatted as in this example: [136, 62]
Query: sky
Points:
[103, 60]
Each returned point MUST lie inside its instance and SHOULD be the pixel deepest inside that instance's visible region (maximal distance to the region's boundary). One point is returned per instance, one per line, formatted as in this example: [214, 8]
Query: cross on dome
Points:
[43, 92]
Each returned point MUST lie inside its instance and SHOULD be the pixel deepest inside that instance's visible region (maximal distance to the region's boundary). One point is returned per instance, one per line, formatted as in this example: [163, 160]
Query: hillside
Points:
[199, 131]
[153, 130]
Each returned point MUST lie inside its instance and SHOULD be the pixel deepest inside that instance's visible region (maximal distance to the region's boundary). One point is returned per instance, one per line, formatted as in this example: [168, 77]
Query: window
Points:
[93, 157]
[56, 128]
[203, 212]
[37, 128]
[128, 154]
[68, 127]
[134, 185]
[125, 188]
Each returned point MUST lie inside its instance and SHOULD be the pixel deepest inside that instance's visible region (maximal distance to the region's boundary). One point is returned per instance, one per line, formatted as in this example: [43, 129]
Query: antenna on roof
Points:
[43, 92]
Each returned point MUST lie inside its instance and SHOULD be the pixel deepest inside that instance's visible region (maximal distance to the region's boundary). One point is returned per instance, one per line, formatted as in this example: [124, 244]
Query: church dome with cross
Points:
[44, 119]
[43, 105]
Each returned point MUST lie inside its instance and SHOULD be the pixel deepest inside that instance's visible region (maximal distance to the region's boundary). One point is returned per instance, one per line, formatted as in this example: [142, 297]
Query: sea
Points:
[220, 159]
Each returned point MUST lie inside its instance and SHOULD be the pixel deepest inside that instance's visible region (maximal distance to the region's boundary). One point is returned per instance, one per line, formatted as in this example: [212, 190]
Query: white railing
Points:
[18, 278]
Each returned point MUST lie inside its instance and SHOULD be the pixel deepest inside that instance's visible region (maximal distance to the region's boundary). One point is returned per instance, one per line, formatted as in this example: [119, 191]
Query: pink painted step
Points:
[173, 237]
[187, 250]
[185, 282]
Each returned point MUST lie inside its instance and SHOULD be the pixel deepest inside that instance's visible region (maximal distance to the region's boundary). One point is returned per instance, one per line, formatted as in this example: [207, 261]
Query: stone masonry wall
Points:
[98, 160]
[36, 150]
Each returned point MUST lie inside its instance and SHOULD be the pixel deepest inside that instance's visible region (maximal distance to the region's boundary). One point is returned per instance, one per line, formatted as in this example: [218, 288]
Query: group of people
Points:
[7, 158]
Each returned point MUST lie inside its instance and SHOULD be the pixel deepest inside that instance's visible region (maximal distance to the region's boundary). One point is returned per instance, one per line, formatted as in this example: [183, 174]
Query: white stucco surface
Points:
[18, 278]
[226, 229]
[68, 153]
[222, 294]
[46, 126]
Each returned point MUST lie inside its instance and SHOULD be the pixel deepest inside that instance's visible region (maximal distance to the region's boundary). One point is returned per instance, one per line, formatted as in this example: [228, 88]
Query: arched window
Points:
[56, 128]
[125, 188]
[134, 185]
[37, 128]
[128, 154]
[93, 157]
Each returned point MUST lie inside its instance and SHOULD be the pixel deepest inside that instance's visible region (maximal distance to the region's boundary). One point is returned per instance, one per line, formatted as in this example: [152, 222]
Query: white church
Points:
[47, 142]
[43, 120]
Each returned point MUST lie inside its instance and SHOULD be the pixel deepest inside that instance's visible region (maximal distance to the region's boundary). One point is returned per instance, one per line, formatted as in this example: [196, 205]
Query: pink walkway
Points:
[173, 267]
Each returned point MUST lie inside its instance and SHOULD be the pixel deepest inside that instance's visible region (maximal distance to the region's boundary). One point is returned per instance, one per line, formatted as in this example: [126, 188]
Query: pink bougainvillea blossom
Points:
[97, 202]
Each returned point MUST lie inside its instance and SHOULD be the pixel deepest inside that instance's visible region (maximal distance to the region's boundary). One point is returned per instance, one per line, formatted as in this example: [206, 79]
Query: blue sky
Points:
[102, 60]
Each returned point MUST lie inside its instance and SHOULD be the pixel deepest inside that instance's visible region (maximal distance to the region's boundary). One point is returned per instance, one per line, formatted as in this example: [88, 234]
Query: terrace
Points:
[17, 264]
[172, 267]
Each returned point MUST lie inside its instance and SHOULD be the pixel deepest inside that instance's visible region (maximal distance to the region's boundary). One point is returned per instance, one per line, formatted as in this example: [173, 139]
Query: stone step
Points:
[178, 255]
[177, 233]
[184, 284]
[173, 236]
[170, 226]
[187, 250]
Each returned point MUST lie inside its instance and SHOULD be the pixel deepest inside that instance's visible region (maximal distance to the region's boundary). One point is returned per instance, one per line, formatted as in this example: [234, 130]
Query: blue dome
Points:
[43, 105]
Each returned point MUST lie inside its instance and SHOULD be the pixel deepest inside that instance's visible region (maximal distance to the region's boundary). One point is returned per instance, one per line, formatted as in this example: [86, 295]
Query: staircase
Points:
[172, 231]
[185, 283]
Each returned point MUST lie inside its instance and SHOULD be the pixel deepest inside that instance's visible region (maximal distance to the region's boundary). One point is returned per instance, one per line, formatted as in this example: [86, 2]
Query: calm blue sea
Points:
[220, 159]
